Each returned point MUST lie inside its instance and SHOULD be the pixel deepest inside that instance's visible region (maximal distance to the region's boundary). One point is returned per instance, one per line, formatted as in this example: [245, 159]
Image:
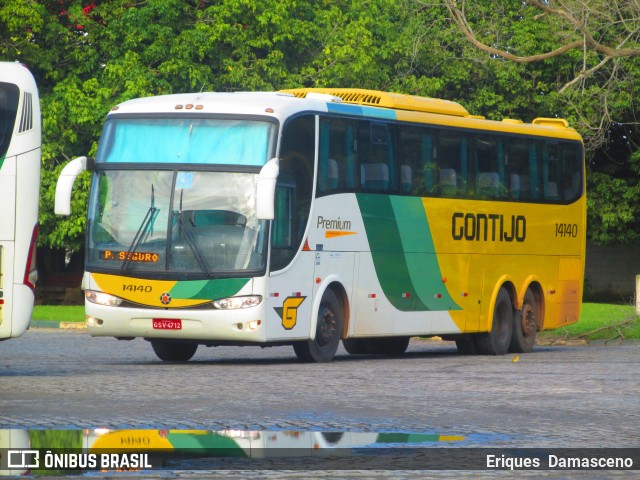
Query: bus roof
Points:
[345, 101]
[271, 104]
[18, 74]
[397, 101]
[438, 111]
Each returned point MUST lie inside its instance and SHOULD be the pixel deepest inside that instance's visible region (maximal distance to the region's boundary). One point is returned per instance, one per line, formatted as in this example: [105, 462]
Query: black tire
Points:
[174, 351]
[386, 345]
[497, 341]
[354, 346]
[525, 326]
[328, 330]
[467, 345]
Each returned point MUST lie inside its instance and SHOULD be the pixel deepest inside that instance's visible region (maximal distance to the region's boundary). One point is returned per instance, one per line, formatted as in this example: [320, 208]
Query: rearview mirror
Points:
[265, 189]
[65, 183]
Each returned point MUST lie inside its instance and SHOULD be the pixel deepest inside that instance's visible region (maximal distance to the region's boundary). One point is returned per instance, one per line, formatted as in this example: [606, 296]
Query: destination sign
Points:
[121, 256]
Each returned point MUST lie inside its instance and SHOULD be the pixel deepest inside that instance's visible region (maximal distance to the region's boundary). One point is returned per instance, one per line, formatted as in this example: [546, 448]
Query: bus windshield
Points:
[190, 140]
[197, 223]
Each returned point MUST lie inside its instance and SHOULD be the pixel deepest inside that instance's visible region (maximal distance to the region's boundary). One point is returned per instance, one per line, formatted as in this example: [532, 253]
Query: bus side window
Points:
[418, 173]
[551, 172]
[571, 172]
[453, 162]
[519, 185]
[283, 220]
[293, 189]
[377, 154]
[523, 155]
[428, 162]
[489, 159]
[337, 156]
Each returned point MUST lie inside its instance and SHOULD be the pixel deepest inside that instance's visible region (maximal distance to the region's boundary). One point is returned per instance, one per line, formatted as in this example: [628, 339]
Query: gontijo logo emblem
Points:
[289, 311]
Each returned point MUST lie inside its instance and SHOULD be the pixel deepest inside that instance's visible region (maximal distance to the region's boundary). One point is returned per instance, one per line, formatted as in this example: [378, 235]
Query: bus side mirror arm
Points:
[65, 183]
[266, 188]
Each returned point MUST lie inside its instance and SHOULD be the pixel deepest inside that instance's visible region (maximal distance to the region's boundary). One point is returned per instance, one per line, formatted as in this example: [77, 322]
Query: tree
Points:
[592, 50]
[572, 59]
[89, 55]
[599, 40]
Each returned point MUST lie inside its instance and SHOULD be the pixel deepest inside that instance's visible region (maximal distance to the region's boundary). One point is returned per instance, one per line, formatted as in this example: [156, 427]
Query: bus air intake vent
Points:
[26, 118]
[396, 101]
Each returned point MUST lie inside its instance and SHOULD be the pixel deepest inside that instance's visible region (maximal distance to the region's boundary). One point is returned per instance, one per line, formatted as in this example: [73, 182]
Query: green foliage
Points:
[89, 58]
[89, 55]
[68, 440]
[55, 439]
[59, 313]
[600, 321]
[613, 208]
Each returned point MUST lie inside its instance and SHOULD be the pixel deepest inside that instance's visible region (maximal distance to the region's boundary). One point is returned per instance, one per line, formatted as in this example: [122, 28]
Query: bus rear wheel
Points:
[497, 341]
[525, 326]
[328, 328]
[174, 351]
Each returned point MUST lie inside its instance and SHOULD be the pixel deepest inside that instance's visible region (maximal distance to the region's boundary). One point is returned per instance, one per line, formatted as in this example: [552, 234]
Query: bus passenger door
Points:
[289, 300]
[290, 286]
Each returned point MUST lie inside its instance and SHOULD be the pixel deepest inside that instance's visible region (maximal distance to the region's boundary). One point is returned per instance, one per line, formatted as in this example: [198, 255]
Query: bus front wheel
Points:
[174, 351]
[525, 325]
[329, 325]
[497, 341]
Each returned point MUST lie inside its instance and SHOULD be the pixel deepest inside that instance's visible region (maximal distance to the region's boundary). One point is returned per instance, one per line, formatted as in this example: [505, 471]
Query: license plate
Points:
[167, 324]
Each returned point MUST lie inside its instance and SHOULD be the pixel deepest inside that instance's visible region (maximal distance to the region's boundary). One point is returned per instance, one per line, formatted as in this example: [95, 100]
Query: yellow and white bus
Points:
[20, 143]
[308, 216]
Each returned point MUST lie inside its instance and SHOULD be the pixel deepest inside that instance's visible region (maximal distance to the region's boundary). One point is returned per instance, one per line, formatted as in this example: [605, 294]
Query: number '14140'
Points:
[566, 229]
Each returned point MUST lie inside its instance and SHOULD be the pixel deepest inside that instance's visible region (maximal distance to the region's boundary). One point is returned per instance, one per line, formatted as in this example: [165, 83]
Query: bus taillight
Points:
[31, 271]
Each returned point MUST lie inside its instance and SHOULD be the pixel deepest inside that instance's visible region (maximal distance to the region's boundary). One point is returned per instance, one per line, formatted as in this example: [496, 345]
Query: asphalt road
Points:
[557, 396]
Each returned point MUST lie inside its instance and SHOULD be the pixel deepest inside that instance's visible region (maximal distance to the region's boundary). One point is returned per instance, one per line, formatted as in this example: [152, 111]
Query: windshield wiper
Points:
[191, 241]
[145, 227]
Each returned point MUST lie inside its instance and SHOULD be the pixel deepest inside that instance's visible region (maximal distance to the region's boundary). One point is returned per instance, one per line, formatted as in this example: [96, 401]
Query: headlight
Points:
[102, 298]
[232, 303]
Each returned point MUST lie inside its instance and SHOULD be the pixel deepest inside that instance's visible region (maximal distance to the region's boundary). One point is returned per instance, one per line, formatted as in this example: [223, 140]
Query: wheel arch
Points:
[341, 294]
[504, 282]
[334, 284]
[538, 294]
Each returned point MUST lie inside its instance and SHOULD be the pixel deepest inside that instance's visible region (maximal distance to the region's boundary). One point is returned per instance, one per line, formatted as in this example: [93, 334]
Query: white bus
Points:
[20, 141]
[310, 217]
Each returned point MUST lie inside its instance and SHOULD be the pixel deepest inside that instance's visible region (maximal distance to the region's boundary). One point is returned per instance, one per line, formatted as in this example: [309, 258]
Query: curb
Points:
[73, 325]
[61, 325]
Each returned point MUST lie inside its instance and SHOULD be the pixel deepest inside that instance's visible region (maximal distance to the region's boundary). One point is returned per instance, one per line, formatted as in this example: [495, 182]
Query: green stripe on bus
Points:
[420, 253]
[208, 289]
[403, 253]
[205, 443]
[386, 251]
